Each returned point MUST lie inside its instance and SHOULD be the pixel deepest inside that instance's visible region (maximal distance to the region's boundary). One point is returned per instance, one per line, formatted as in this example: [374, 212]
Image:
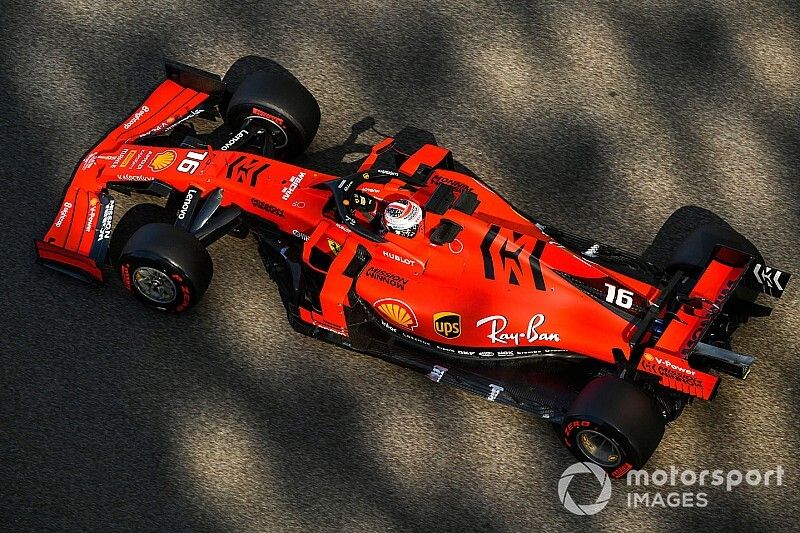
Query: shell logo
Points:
[396, 312]
[163, 160]
[93, 202]
[648, 357]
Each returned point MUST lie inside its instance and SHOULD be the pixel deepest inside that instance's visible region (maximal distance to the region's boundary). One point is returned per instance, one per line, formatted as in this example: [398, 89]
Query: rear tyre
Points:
[679, 241]
[694, 252]
[165, 267]
[273, 97]
[687, 239]
[613, 424]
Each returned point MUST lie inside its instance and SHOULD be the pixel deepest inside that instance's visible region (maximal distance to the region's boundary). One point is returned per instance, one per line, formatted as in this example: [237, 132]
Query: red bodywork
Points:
[502, 286]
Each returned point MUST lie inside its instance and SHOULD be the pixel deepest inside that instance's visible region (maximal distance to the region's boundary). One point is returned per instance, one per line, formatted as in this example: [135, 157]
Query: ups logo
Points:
[448, 325]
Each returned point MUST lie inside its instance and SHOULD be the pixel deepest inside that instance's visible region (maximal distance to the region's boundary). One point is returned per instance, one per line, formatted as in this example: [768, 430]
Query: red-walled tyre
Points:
[165, 267]
[613, 424]
[275, 98]
[133, 219]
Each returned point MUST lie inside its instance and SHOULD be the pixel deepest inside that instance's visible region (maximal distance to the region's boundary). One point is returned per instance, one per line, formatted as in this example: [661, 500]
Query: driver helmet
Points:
[403, 217]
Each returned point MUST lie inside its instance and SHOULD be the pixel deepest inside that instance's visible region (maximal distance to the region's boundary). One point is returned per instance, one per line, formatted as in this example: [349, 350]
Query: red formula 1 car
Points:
[412, 261]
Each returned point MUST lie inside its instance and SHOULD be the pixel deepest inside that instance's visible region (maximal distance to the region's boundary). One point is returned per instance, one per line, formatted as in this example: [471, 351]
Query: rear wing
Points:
[78, 238]
[665, 338]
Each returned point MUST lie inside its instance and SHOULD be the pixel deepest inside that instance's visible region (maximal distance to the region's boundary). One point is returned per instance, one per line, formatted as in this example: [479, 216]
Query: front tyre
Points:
[613, 424]
[165, 267]
[133, 219]
[277, 101]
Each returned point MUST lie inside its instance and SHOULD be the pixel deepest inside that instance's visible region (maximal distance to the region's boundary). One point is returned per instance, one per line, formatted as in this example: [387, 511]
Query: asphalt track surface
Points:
[601, 118]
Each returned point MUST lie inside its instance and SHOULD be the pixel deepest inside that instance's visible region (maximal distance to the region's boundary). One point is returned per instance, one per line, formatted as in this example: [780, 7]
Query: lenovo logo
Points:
[186, 203]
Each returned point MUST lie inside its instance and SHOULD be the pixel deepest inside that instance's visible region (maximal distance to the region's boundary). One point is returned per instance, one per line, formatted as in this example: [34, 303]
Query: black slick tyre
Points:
[277, 100]
[165, 267]
[613, 424]
[133, 219]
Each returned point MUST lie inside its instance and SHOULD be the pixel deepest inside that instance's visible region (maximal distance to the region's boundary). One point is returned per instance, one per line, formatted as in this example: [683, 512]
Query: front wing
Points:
[78, 239]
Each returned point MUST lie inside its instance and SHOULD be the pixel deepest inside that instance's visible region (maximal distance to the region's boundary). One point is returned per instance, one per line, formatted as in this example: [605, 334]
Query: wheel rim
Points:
[598, 448]
[154, 285]
[273, 124]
